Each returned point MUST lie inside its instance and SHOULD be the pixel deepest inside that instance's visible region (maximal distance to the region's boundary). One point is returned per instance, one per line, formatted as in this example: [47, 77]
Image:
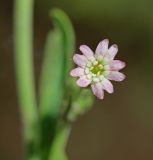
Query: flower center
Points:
[97, 69]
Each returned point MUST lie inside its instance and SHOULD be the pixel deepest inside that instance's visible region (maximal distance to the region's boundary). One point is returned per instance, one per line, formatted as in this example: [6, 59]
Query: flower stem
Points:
[60, 140]
[23, 11]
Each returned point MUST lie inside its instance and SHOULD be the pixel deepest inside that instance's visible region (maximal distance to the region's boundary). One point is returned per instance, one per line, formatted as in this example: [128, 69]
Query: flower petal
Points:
[83, 81]
[116, 76]
[97, 90]
[102, 48]
[77, 72]
[80, 60]
[117, 65]
[107, 85]
[87, 51]
[112, 51]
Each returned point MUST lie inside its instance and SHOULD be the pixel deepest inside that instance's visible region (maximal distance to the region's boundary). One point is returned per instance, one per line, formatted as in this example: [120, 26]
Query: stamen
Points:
[101, 77]
[95, 62]
[89, 64]
[98, 73]
[96, 79]
[97, 68]
[91, 68]
[94, 75]
[89, 76]
[100, 66]
[87, 71]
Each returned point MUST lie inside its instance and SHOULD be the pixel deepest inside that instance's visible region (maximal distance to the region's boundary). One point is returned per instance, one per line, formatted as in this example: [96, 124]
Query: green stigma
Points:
[97, 69]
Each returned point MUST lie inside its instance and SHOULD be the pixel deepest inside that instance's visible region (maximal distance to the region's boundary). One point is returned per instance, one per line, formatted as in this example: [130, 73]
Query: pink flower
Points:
[97, 69]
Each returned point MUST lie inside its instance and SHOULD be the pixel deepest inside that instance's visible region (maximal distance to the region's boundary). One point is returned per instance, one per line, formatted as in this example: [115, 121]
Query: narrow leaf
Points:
[55, 72]
[51, 88]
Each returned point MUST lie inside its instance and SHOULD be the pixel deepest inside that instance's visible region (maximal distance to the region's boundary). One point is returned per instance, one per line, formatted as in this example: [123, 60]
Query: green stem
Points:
[59, 144]
[23, 11]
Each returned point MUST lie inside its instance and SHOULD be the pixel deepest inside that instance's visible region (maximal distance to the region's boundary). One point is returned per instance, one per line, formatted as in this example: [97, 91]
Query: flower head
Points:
[97, 69]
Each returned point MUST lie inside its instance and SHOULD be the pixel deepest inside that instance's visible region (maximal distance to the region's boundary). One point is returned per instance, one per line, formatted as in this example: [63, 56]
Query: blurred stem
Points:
[59, 144]
[51, 88]
[23, 11]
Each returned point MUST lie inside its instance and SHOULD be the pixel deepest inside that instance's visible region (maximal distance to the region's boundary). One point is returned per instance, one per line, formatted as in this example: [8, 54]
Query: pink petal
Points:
[107, 85]
[116, 76]
[111, 52]
[87, 51]
[102, 47]
[117, 65]
[97, 90]
[83, 81]
[80, 60]
[77, 72]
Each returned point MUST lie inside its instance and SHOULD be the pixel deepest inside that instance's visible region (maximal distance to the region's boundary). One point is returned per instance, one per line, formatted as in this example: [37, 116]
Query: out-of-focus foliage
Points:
[59, 49]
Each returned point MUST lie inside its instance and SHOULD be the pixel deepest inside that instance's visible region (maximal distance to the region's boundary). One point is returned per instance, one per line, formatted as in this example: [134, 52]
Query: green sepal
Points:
[80, 104]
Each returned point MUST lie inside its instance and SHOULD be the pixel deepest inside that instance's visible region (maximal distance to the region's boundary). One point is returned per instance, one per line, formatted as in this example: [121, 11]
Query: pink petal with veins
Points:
[83, 81]
[80, 60]
[116, 65]
[107, 85]
[77, 72]
[112, 51]
[102, 48]
[116, 76]
[87, 51]
[97, 90]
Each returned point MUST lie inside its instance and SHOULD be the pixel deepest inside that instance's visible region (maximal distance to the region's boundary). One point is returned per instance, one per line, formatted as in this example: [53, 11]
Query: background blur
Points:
[121, 126]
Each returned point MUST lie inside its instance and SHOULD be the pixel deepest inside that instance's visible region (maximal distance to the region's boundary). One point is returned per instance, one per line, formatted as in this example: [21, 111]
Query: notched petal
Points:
[83, 81]
[102, 48]
[80, 60]
[98, 90]
[107, 85]
[112, 51]
[87, 51]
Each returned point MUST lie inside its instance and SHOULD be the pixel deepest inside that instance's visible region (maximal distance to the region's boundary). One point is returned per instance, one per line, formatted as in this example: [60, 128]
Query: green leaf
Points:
[57, 64]
[51, 88]
[55, 74]
[61, 20]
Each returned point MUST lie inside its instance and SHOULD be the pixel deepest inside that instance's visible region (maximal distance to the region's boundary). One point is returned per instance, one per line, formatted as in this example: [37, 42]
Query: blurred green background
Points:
[121, 126]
